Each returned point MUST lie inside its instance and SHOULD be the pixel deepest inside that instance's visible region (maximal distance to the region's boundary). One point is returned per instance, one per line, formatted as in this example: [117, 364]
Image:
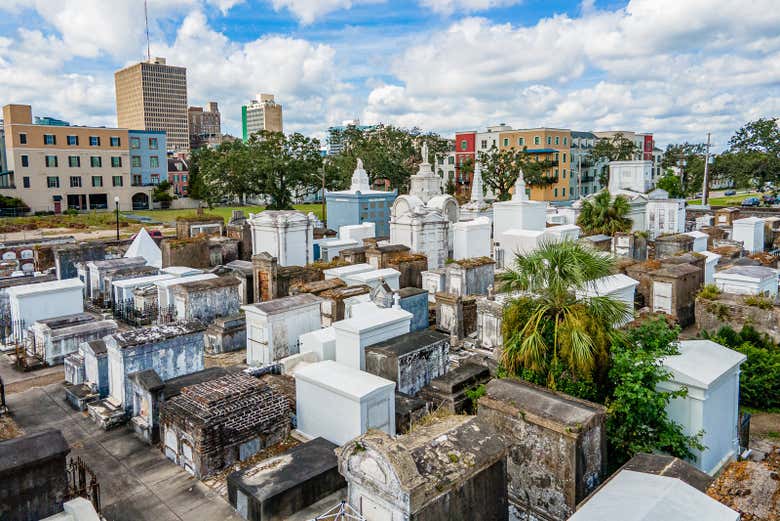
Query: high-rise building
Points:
[152, 95]
[205, 125]
[334, 134]
[262, 114]
[57, 167]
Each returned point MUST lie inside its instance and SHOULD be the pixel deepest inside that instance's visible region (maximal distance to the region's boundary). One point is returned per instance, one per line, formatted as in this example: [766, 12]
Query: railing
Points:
[82, 482]
[8, 187]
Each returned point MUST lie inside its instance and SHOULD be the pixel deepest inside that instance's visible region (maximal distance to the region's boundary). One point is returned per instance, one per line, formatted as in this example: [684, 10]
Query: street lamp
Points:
[116, 202]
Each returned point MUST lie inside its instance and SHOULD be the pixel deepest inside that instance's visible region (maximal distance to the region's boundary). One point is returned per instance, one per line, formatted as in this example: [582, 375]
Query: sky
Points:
[676, 68]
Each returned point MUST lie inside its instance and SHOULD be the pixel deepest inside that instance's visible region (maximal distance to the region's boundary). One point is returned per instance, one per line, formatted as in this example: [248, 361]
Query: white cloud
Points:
[665, 66]
[469, 6]
[308, 11]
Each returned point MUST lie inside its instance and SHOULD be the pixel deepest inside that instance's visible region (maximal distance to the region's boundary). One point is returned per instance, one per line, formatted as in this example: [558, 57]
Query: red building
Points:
[465, 149]
[179, 175]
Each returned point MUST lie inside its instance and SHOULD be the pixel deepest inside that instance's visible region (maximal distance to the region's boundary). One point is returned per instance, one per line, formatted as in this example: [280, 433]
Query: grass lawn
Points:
[84, 221]
[169, 216]
[731, 200]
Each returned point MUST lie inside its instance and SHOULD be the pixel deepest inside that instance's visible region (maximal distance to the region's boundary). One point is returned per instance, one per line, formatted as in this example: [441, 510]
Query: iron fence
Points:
[82, 482]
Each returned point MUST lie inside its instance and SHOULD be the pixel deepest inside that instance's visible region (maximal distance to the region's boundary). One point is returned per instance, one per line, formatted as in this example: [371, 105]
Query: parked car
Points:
[730, 192]
[751, 201]
[770, 199]
[154, 234]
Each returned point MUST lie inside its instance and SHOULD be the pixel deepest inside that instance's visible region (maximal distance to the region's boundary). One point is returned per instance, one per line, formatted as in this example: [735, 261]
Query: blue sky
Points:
[677, 68]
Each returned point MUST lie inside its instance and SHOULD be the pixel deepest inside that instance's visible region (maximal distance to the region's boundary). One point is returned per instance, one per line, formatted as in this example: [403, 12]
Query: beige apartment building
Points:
[552, 144]
[262, 114]
[54, 167]
[205, 125]
[152, 95]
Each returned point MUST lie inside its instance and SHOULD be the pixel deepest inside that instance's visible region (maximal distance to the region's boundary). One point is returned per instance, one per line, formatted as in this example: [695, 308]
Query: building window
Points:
[94, 141]
[506, 142]
[451, 160]
[26, 182]
[521, 141]
[184, 179]
[116, 161]
[175, 178]
[565, 139]
[556, 172]
[563, 191]
[464, 145]
[154, 162]
[555, 192]
[484, 143]
[49, 139]
[564, 173]
[557, 140]
[117, 180]
[115, 141]
[25, 161]
[549, 140]
[155, 179]
[74, 161]
[135, 142]
[53, 182]
[135, 161]
[537, 140]
[73, 141]
[97, 181]
[22, 138]
[564, 157]
[75, 181]
[153, 143]
[96, 161]
[51, 161]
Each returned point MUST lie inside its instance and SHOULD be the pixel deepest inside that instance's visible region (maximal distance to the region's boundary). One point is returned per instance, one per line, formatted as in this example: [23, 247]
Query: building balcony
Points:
[7, 187]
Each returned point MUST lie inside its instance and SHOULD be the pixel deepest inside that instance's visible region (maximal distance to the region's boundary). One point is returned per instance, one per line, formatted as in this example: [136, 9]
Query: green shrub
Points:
[709, 292]
[759, 301]
[71, 211]
[759, 379]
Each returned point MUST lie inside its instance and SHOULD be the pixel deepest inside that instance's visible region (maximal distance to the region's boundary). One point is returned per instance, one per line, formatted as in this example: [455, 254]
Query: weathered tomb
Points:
[55, 338]
[274, 327]
[747, 280]
[225, 334]
[449, 390]
[213, 424]
[472, 276]
[30, 303]
[276, 488]
[411, 360]
[452, 469]
[673, 291]
[206, 300]
[354, 335]
[189, 226]
[86, 374]
[456, 315]
[557, 445]
[334, 302]
[96, 272]
[670, 245]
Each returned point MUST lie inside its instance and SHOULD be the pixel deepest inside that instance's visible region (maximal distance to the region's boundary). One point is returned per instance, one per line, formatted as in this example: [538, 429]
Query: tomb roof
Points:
[701, 363]
[204, 285]
[67, 320]
[31, 449]
[158, 333]
[748, 272]
[369, 321]
[121, 262]
[344, 380]
[45, 287]
[283, 305]
[663, 465]
[409, 342]
[557, 411]
[141, 281]
[241, 265]
[98, 347]
[147, 379]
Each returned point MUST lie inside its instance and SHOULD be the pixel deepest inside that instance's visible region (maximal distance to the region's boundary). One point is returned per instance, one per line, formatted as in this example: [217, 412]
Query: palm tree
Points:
[552, 321]
[606, 215]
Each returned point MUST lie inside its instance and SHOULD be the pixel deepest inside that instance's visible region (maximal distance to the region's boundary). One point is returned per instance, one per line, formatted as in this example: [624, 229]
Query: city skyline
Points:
[676, 69]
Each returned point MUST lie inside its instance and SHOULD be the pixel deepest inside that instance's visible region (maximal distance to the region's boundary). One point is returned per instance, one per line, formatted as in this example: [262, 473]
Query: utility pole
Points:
[324, 219]
[705, 189]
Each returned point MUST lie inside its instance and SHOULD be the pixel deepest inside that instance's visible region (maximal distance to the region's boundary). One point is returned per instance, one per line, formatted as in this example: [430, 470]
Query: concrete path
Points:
[136, 481]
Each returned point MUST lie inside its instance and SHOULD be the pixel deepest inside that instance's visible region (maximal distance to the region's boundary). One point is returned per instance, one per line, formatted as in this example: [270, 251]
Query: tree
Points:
[500, 169]
[753, 157]
[616, 148]
[284, 167]
[672, 184]
[688, 158]
[605, 214]
[226, 173]
[162, 193]
[388, 153]
[637, 420]
[552, 328]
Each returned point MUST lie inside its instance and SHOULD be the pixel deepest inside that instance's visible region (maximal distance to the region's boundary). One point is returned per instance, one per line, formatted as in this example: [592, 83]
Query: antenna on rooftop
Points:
[146, 18]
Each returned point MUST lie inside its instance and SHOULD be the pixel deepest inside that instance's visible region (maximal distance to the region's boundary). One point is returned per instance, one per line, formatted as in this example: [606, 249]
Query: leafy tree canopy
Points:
[501, 168]
[672, 184]
[605, 214]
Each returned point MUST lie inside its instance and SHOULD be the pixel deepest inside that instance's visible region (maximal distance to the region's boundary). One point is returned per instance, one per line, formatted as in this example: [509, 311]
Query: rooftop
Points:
[409, 342]
[568, 414]
[371, 321]
[32, 448]
[284, 304]
[342, 379]
[45, 287]
[748, 272]
[206, 284]
[638, 496]
[702, 362]
[159, 333]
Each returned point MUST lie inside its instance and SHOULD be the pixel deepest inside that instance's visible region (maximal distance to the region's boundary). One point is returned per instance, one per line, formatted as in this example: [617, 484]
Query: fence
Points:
[82, 482]
[145, 315]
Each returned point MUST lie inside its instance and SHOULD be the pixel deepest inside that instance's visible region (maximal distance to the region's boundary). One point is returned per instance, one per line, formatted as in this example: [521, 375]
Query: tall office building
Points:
[262, 114]
[152, 95]
[205, 125]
